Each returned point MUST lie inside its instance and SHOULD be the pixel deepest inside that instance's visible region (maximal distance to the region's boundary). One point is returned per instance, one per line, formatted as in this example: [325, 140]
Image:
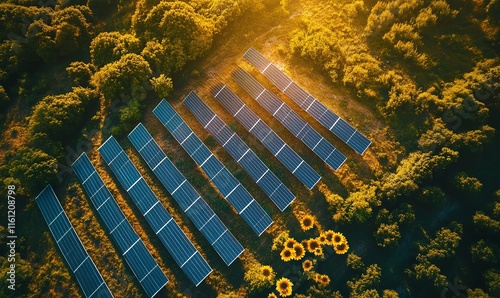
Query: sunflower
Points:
[307, 222]
[318, 251]
[322, 238]
[272, 295]
[284, 287]
[342, 248]
[322, 279]
[267, 272]
[300, 252]
[329, 237]
[307, 265]
[290, 242]
[338, 238]
[313, 244]
[287, 254]
[305, 244]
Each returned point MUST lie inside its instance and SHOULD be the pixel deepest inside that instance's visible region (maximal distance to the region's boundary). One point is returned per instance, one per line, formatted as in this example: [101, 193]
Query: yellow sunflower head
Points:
[313, 244]
[290, 242]
[267, 272]
[338, 238]
[318, 251]
[284, 287]
[307, 222]
[287, 254]
[329, 237]
[272, 295]
[307, 265]
[342, 248]
[322, 279]
[299, 250]
[322, 238]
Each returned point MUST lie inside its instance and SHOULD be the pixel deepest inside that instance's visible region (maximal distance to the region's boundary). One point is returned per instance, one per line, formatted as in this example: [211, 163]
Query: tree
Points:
[109, 47]
[162, 85]
[368, 279]
[33, 169]
[464, 183]
[124, 78]
[482, 220]
[492, 277]
[164, 57]
[387, 235]
[176, 23]
[481, 251]
[59, 116]
[80, 73]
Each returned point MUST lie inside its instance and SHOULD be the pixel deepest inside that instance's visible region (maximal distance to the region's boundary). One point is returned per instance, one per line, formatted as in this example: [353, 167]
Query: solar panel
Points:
[173, 238]
[220, 176]
[203, 217]
[293, 122]
[133, 250]
[77, 258]
[286, 155]
[281, 196]
[320, 112]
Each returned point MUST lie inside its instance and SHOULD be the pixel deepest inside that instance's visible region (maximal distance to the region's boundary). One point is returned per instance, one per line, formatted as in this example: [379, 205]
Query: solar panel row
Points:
[137, 256]
[67, 240]
[225, 182]
[286, 155]
[293, 122]
[320, 112]
[173, 238]
[203, 217]
[239, 150]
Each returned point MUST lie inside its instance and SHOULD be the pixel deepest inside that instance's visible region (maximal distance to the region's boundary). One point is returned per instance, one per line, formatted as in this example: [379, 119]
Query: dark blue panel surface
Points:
[67, 240]
[190, 201]
[322, 114]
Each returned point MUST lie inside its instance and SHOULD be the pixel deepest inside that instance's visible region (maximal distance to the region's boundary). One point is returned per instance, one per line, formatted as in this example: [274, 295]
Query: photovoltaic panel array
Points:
[293, 122]
[239, 150]
[67, 240]
[200, 213]
[320, 112]
[226, 183]
[137, 256]
[258, 128]
[173, 238]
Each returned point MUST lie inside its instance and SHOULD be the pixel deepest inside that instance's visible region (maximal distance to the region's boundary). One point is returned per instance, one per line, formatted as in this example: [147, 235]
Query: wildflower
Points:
[284, 287]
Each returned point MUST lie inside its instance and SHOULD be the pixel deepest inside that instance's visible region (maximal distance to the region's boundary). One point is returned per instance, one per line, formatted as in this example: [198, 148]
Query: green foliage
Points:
[124, 78]
[109, 47]
[32, 168]
[175, 25]
[23, 276]
[61, 33]
[354, 261]
[413, 169]
[130, 115]
[493, 281]
[481, 251]
[60, 116]
[162, 85]
[367, 280]
[441, 247]
[103, 8]
[388, 235]
[464, 183]
[80, 73]
[357, 207]
[483, 221]
[164, 57]
[431, 195]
